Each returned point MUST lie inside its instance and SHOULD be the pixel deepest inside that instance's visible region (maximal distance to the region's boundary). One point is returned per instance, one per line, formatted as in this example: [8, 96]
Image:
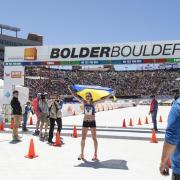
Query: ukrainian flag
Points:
[98, 92]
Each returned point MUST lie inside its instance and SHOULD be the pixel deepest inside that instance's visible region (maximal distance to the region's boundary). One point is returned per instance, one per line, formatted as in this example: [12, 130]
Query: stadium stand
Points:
[136, 83]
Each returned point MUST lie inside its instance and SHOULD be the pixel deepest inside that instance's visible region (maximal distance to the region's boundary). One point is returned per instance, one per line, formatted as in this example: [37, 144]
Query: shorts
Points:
[43, 117]
[89, 124]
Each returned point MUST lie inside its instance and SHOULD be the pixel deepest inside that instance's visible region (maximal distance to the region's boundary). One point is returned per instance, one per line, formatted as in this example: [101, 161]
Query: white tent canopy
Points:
[23, 93]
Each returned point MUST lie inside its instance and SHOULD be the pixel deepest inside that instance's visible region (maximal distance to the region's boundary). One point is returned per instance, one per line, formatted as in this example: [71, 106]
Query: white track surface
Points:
[124, 153]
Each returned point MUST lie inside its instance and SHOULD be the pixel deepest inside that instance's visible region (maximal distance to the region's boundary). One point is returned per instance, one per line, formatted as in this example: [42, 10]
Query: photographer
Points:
[44, 113]
[55, 115]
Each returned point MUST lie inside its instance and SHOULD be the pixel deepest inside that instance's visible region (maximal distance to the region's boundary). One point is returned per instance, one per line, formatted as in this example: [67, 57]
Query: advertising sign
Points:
[122, 54]
[94, 54]
[12, 78]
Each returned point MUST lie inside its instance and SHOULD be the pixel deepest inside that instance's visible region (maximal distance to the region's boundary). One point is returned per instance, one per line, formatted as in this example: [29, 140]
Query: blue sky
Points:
[94, 21]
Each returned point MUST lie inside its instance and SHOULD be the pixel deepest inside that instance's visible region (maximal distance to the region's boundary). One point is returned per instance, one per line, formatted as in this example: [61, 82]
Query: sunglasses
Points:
[88, 96]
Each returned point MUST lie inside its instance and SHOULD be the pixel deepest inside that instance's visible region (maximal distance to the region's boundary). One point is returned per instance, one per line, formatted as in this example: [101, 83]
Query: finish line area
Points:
[124, 152]
[128, 145]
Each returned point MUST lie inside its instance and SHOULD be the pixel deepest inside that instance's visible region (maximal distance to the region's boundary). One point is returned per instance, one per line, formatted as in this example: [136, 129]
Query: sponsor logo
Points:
[121, 51]
[15, 58]
[16, 74]
[30, 54]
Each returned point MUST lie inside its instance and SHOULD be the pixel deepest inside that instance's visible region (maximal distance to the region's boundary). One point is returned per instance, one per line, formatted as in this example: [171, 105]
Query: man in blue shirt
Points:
[171, 147]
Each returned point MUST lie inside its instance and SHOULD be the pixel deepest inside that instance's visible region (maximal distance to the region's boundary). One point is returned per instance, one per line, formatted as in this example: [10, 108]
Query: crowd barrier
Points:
[72, 109]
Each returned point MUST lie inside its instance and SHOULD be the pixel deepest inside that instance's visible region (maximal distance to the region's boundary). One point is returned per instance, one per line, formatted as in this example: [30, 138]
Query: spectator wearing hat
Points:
[55, 115]
[44, 113]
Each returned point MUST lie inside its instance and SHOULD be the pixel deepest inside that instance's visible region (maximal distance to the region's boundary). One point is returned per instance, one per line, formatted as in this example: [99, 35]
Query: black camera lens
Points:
[42, 97]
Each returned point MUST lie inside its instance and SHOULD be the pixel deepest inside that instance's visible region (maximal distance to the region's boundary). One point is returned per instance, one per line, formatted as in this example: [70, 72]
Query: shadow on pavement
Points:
[15, 142]
[109, 164]
[4, 140]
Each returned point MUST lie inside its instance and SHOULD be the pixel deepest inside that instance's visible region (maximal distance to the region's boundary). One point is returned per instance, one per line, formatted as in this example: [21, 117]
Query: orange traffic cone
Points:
[31, 121]
[139, 122]
[58, 139]
[160, 119]
[146, 121]
[2, 126]
[153, 139]
[124, 124]
[169, 163]
[31, 153]
[74, 134]
[130, 122]
[12, 124]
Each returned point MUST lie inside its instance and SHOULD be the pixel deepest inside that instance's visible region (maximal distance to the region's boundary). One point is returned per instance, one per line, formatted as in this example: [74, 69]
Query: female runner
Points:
[88, 122]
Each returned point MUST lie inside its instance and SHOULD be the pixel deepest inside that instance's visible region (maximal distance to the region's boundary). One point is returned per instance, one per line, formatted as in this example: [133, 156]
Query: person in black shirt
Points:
[17, 114]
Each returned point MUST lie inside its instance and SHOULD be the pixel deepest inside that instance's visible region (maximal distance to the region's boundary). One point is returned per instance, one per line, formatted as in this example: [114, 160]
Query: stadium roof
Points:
[10, 28]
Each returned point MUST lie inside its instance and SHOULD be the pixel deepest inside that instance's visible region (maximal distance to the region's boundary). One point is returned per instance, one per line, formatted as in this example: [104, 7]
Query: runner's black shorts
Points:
[89, 124]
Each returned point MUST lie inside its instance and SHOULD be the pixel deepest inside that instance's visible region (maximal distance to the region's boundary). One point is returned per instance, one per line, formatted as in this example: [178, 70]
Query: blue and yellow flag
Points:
[98, 92]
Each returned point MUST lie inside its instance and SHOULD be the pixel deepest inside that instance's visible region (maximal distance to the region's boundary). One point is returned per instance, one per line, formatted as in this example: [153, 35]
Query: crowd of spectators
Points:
[132, 83]
[136, 83]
